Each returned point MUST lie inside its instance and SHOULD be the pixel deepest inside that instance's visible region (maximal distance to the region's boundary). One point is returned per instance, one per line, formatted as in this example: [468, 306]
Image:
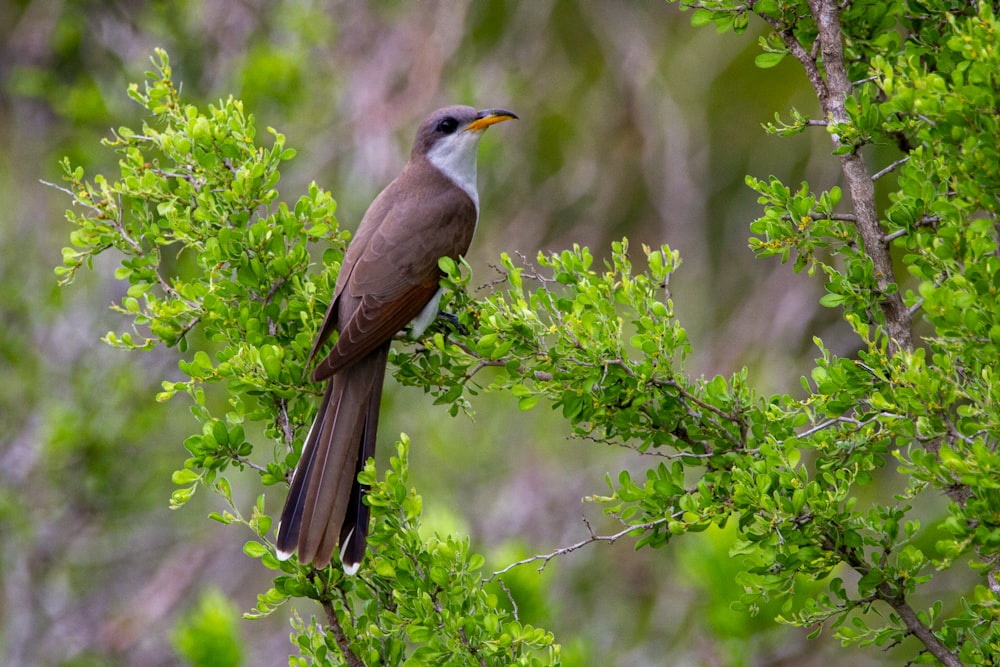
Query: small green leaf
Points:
[254, 549]
[768, 60]
[700, 17]
[526, 403]
[831, 300]
[184, 477]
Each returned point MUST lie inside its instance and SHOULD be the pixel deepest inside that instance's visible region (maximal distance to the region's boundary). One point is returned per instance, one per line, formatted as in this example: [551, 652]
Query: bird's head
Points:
[456, 128]
[449, 139]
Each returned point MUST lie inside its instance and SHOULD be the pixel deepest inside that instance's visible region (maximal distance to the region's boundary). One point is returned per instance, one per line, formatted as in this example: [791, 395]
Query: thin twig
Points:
[806, 59]
[856, 423]
[248, 463]
[62, 189]
[189, 326]
[510, 596]
[822, 426]
[901, 161]
[610, 539]
[843, 217]
[645, 452]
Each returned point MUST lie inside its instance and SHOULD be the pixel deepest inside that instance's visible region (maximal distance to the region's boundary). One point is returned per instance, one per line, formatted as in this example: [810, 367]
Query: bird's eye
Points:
[447, 125]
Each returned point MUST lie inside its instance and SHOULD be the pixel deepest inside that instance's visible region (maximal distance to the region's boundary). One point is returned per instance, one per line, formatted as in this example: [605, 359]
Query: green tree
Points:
[207, 247]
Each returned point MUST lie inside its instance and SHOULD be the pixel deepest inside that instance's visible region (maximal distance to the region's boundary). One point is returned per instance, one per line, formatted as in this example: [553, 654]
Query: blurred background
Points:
[632, 124]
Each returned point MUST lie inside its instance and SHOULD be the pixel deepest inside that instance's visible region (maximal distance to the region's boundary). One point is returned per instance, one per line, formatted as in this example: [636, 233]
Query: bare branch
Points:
[510, 597]
[284, 424]
[611, 539]
[62, 189]
[892, 167]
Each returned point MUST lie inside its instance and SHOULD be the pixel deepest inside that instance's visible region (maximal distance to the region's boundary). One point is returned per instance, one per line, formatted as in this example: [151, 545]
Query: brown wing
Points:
[376, 213]
[393, 273]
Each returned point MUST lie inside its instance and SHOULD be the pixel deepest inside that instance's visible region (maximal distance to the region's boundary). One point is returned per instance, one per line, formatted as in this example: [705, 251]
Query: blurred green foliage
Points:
[210, 635]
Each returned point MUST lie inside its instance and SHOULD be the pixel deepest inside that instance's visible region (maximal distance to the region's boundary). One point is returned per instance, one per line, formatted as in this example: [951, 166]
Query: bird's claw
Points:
[452, 319]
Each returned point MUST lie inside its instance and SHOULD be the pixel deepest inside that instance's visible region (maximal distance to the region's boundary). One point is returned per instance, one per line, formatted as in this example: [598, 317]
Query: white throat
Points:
[455, 156]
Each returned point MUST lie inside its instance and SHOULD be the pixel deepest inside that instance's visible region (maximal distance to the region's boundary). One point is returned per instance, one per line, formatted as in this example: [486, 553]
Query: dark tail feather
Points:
[354, 531]
[290, 524]
[324, 501]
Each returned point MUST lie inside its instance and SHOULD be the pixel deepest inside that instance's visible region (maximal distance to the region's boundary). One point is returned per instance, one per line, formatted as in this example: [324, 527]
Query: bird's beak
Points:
[488, 117]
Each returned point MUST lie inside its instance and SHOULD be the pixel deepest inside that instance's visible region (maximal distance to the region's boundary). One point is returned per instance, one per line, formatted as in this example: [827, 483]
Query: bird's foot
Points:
[452, 319]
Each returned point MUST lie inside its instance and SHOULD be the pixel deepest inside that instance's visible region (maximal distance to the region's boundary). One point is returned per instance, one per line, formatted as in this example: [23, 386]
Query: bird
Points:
[389, 277]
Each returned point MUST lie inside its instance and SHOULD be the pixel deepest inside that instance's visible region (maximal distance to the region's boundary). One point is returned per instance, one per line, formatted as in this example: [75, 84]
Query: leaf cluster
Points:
[788, 472]
[204, 243]
[923, 80]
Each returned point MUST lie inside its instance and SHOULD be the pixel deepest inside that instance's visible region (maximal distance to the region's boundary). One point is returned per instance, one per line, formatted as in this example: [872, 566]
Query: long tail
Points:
[324, 505]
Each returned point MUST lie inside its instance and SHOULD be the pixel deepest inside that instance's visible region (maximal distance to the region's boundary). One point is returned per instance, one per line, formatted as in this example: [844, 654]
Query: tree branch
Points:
[894, 597]
[832, 91]
[916, 628]
[339, 636]
[860, 182]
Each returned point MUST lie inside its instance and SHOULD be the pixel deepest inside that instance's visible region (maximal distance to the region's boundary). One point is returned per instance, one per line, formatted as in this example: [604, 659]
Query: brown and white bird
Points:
[389, 277]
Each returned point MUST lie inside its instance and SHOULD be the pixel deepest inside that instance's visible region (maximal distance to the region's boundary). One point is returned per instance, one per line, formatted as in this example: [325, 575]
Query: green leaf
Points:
[254, 549]
[700, 17]
[831, 300]
[768, 60]
[184, 477]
